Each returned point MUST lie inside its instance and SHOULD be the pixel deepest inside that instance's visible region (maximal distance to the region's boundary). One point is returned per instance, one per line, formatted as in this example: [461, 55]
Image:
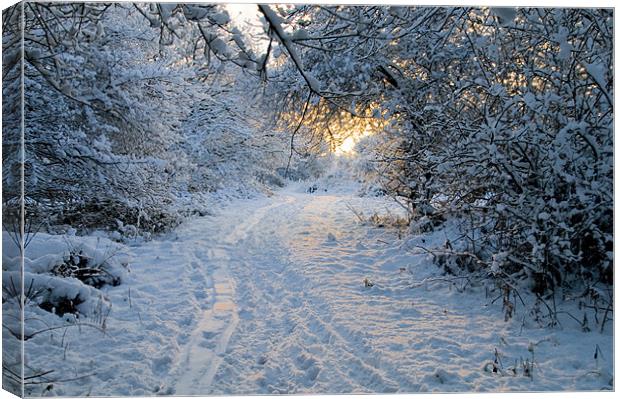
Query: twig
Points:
[357, 214]
[607, 310]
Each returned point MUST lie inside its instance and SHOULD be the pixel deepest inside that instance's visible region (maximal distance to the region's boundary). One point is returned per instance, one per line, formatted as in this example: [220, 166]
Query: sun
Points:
[346, 147]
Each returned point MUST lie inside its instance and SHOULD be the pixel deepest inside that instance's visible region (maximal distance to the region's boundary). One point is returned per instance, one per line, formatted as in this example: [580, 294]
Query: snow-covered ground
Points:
[293, 294]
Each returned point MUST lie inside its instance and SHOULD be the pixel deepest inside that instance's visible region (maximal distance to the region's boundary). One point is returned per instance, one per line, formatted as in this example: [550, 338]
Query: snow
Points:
[506, 15]
[221, 18]
[597, 71]
[195, 13]
[203, 280]
[565, 46]
[219, 47]
[300, 34]
[272, 295]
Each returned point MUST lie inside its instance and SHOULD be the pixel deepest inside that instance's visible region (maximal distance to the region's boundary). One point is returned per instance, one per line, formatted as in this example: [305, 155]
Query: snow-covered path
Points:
[298, 265]
[288, 311]
[305, 316]
[268, 296]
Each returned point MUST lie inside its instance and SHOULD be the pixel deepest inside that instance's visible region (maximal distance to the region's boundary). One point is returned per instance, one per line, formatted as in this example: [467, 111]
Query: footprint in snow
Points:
[331, 238]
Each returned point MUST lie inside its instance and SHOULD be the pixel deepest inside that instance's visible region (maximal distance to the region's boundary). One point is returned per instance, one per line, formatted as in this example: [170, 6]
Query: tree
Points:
[502, 118]
[107, 90]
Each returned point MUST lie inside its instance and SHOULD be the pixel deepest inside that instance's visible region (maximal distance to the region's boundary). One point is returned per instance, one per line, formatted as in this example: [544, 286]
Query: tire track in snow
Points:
[202, 356]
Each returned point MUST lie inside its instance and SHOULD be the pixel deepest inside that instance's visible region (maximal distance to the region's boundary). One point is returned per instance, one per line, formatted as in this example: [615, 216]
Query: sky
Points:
[246, 17]
[241, 12]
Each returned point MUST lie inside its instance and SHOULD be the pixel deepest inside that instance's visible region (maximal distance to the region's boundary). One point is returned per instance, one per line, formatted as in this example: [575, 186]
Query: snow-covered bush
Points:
[63, 280]
[93, 145]
[63, 274]
[114, 116]
[514, 134]
[225, 145]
